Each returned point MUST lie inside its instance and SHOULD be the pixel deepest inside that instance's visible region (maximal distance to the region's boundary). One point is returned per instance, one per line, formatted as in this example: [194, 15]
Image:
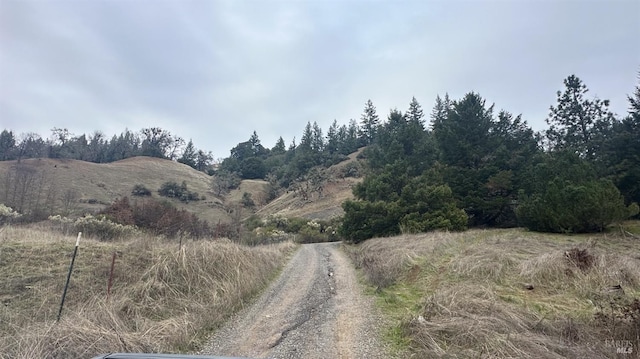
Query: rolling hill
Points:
[78, 187]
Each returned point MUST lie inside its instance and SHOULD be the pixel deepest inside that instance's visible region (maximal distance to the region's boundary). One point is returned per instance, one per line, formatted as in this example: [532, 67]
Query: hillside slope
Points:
[337, 187]
[77, 187]
[88, 187]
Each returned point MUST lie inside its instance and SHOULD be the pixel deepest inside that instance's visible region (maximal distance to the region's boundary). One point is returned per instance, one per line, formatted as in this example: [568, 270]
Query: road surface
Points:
[315, 309]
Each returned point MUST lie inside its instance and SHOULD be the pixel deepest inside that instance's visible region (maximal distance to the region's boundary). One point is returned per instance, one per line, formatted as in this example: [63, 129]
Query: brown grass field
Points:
[164, 298]
[507, 293]
[78, 187]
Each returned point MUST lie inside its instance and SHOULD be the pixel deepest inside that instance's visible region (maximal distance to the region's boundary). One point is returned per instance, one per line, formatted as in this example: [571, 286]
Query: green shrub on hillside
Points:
[174, 190]
[141, 191]
[567, 207]
[420, 208]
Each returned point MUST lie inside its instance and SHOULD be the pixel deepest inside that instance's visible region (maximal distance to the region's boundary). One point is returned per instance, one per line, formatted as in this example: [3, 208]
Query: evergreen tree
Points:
[414, 114]
[317, 140]
[279, 147]
[577, 123]
[333, 139]
[189, 155]
[370, 123]
[307, 138]
[440, 110]
[622, 151]
[464, 136]
[256, 148]
[7, 145]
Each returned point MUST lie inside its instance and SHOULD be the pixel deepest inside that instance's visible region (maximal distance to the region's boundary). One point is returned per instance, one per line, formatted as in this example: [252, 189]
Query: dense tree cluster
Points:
[475, 167]
[283, 166]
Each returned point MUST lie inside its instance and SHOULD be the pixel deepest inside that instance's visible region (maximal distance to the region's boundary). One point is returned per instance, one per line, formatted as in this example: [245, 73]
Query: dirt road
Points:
[315, 309]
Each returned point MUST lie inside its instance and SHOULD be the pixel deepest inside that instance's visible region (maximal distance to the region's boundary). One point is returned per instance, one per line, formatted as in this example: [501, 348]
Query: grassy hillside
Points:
[90, 186]
[164, 298]
[76, 187]
[338, 184]
[507, 293]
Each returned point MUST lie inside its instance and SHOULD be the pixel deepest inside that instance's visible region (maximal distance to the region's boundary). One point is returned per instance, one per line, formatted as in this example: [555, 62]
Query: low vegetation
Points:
[301, 230]
[507, 293]
[159, 218]
[166, 296]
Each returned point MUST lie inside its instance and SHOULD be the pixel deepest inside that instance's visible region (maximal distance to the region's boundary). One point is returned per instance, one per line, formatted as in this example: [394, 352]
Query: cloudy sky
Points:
[215, 71]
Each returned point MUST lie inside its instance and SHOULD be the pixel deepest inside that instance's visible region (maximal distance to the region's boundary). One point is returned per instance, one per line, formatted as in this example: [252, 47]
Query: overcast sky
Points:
[215, 71]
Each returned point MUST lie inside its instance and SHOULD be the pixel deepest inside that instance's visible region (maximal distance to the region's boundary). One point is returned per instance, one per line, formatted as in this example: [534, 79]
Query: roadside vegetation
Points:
[167, 296]
[507, 292]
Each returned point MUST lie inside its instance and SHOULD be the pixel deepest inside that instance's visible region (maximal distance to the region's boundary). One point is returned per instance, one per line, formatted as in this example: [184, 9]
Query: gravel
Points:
[315, 309]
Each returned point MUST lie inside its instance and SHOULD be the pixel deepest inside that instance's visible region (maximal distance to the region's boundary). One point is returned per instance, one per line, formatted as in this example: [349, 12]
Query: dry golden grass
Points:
[465, 294]
[95, 185]
[163, 298]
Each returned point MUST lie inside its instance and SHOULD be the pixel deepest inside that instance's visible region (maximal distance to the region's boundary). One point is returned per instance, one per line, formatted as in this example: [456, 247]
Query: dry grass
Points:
[507, 293]
[163, 298]
[95, 185]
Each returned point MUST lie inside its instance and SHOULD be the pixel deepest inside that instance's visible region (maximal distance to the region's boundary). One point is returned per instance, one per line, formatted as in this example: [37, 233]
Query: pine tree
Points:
[317, 140]
[279, 148]
[414, 114]
[576, 123]
[370, 123]
[189, 155]
[440, 110]
[463, 136]
[333, 141]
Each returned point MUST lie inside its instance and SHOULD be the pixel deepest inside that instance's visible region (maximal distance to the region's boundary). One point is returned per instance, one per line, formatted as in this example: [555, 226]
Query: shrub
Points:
[351, 170]
[141, 191]
[159, 217]
[7, 214]
[567, 207]
[173, 190]
[247, 201]
[97, 227]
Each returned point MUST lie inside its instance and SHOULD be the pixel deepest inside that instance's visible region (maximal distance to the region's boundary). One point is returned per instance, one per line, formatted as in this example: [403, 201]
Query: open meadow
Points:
[166, 296]
[507, 293]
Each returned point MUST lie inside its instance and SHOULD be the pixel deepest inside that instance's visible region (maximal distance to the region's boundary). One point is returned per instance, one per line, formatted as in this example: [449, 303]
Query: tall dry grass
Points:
[509, 293]
[164, 298]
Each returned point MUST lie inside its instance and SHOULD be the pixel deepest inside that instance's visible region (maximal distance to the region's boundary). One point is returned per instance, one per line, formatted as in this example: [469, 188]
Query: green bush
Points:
[567, 207]
[420, 207]
[141, 191]
[174, 190]
[247, 200]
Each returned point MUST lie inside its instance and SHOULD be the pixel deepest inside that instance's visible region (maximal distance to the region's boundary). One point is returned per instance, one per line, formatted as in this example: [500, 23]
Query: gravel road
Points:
[315, 309]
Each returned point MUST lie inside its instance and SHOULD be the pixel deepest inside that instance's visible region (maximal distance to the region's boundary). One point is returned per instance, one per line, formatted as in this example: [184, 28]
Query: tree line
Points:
[475, 166]
[153, 142]
[467, 165]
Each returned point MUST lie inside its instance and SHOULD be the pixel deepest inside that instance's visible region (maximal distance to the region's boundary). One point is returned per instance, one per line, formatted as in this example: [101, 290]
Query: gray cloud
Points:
[215, 71]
